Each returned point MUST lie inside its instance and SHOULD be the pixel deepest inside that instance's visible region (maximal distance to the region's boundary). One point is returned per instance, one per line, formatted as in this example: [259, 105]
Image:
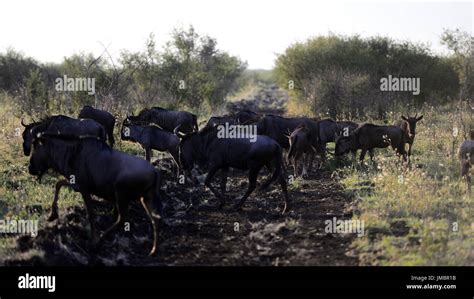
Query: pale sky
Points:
[254, 30]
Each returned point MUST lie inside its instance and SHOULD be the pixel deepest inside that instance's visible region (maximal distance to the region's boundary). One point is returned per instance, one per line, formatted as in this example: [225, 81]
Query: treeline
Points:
[341, 76]
[189, 72]
[332, 75]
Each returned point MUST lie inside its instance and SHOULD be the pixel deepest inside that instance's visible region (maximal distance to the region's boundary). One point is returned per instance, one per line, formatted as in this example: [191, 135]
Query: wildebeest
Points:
[150, 137]
[370, 136]
[466, 157]
[205, 148]
[104, 118]
[60, 124]
[278, 128]
[329, 130]
[408, 124]
[300, 147]
[99, 170]
[167, 119]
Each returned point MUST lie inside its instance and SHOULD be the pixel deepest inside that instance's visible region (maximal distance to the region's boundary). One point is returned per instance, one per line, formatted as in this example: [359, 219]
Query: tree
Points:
[327, 72]
[461, 43]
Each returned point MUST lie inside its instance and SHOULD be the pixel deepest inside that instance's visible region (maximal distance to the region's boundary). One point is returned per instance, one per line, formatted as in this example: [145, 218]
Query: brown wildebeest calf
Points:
[466, 157]
[300, 146]
[408, 125]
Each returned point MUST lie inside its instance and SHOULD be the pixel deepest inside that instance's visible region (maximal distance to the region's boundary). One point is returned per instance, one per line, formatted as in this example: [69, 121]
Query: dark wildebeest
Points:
[206, 149]
[99, 170]
[151, 137]
[466, 157]
[104, 118]
[167, 119]
[408, 124]
[60, 124]
[370, 136]
[329, 130]
[278, 128]
[345, 129]
[300, 147]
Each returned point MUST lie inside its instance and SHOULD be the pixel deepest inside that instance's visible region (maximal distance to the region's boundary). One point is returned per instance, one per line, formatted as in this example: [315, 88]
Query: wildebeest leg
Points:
[90, 214]
[146, 202]
[371, 154]
[224, 175]
[305, 157]
[304, 171]
[323, 155]
[111, 137]
[468, 182]
[207, 182]
[284, 189]
[295, 159]
[409, 149]
[122, 208]
[148, 154]
[253, 173]
[311, 158]
[362, 155]
[402, 152]
[54, 207]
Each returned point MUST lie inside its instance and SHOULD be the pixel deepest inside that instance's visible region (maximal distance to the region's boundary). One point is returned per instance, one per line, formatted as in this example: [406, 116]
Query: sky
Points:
[254, 30]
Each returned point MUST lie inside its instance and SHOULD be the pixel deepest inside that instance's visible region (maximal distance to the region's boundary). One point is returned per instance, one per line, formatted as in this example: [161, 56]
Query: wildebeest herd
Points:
[78, 150]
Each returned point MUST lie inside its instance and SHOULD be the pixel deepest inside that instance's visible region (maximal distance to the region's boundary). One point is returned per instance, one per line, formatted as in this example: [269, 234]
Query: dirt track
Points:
[194, 232]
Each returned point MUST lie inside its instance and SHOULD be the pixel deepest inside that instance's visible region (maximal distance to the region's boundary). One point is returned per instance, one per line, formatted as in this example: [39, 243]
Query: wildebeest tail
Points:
[278, 168]
[291, 151]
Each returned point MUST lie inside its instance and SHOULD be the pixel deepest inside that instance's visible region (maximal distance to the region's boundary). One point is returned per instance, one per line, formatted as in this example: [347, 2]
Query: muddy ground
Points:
[194, 232]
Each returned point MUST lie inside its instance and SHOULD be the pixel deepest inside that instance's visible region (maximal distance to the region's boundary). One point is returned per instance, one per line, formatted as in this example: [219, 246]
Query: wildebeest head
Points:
[28, 135]
[39, 160]
[344, 145]
[189, 147]
[412, 120]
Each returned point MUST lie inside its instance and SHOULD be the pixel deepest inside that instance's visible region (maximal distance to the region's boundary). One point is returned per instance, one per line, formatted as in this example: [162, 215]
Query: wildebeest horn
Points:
[177, 133]
[23, 122]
